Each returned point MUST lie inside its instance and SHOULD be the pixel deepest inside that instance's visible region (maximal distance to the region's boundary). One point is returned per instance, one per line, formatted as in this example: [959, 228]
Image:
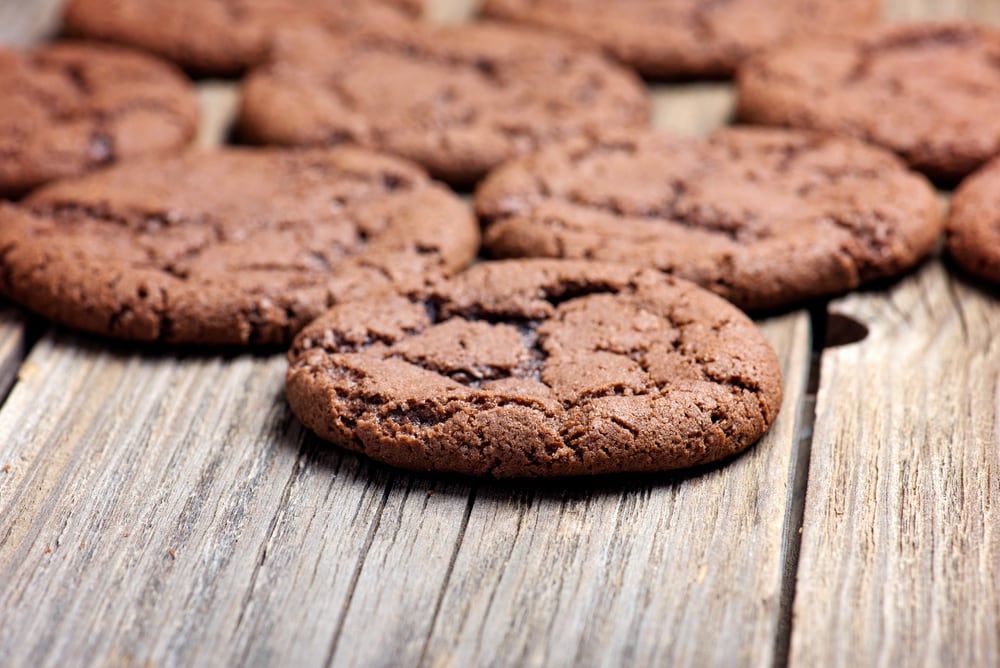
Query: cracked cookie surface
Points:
[237, 246]
[457, 100]
[221, 37]
[71, 107]
[974, 223]
[538, 368]
[766, 218]
[677, 38]
[929, 92]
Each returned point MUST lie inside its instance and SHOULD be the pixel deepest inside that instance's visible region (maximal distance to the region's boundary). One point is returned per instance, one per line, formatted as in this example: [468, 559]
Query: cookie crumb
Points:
[6, 468]
[172, 554]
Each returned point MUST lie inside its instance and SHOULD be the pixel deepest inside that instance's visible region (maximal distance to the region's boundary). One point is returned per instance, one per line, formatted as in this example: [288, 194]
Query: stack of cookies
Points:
[603, 329]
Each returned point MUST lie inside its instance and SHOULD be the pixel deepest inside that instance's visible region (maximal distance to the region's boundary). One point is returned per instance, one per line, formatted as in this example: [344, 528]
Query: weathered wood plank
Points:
[138, 490]
[900, 561]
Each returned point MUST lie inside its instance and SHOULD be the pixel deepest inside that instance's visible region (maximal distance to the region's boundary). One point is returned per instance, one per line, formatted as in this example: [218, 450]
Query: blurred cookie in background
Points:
[687, 38]
[767, 218]
[929, 92]
[457, 100]
[221, 37]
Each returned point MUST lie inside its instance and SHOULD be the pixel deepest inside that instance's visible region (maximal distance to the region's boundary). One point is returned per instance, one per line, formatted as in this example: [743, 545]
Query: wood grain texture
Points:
[900, 560]
[23, 22]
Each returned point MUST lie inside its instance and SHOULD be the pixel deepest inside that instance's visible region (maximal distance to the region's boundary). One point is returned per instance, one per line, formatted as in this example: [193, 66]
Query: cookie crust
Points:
[236, 246]
[538, 368]
[766, 218]
[929, 92]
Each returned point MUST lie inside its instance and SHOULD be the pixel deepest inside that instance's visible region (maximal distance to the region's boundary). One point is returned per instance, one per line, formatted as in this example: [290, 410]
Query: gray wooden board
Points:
[900, 561]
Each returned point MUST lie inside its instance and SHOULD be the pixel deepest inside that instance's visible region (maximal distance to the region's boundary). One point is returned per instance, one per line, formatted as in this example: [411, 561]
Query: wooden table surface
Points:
[165, 509]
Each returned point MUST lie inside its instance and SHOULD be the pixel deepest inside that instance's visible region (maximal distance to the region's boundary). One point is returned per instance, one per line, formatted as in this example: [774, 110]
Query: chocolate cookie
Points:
[683, 38]
[974, 223]
[220, 37]
[458, 100]
[538, 368]
[238, 246]
[928, 92]
[765, 218]
[70, 107]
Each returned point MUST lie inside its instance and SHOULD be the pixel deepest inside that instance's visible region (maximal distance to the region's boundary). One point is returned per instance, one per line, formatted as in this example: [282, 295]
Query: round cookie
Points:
[538, 368]
[766, 218]
[237, 246]
[70, 107]
[684, 38]
[929, 92]
[220, 37]
[458, 100]
[974, 223]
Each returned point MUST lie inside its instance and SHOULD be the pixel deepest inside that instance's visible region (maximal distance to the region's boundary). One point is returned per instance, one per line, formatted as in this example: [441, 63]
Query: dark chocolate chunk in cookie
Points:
[765, 218]
[538, 368]
[237, 246]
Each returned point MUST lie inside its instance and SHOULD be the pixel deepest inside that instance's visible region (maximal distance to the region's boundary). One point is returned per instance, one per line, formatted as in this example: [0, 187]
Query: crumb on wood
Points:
[171, 552]
[48, 550]
[6, 468]
[83, 544]
[126, 533]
